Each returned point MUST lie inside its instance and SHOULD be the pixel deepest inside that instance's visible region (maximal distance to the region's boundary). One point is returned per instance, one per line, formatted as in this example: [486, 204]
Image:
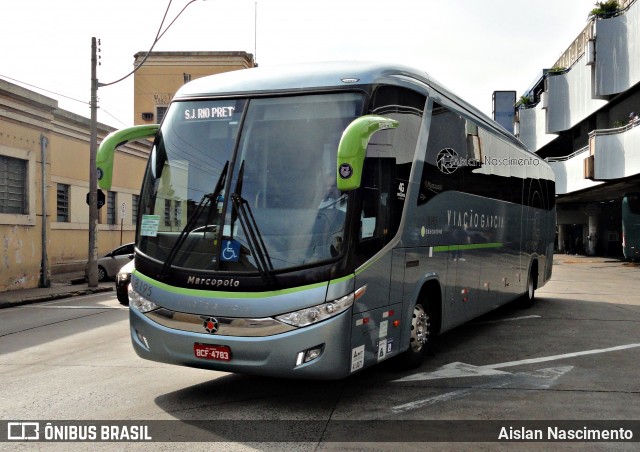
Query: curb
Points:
[54, 296]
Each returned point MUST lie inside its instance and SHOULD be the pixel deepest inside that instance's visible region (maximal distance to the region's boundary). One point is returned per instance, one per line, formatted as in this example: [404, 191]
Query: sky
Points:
[473, 47]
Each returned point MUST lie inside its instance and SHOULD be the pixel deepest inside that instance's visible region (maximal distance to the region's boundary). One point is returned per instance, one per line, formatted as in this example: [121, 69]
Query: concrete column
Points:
[592, 238]
[562, 236]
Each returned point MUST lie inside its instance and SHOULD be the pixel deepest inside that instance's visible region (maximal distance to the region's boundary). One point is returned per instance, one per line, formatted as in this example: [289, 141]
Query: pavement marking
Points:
[566, 355]
[538, 379]
[458, 369]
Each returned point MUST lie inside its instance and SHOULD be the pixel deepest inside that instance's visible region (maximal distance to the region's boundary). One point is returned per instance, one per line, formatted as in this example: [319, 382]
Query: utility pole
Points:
[92, 197]
[92, 261]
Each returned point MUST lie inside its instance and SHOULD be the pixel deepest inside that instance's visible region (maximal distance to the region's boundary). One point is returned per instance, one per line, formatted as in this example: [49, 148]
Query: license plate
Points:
[213, 352]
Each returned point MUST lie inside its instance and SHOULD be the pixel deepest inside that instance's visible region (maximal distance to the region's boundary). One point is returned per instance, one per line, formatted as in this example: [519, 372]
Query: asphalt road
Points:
[573, 356]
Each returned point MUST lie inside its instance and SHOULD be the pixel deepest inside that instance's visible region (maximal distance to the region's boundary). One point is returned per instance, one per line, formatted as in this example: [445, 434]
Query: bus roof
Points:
[320, 75]
[294, 77]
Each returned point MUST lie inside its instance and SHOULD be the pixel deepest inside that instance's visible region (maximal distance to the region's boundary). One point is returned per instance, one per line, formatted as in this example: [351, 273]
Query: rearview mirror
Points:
[352, 148]
[106, 151]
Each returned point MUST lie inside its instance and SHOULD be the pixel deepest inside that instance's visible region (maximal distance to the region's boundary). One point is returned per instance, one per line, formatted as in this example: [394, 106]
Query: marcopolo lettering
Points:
[213, 282]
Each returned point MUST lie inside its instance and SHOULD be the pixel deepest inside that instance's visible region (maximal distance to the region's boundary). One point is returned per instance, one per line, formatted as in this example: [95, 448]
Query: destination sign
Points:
[209, 113]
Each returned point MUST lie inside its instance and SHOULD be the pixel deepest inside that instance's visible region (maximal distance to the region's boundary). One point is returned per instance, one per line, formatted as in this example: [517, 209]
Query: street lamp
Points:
[92, 198]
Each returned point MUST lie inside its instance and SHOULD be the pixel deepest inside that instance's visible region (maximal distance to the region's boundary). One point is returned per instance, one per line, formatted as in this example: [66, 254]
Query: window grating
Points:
[13, 185]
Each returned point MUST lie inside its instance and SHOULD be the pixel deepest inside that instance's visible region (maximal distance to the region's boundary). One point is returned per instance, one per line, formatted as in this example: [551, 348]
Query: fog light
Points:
[142, 339]
[309, 355]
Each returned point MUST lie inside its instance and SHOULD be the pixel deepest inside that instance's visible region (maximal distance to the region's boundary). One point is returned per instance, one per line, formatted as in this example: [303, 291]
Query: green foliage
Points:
[557, 69]
[524, 101]
[605, 9]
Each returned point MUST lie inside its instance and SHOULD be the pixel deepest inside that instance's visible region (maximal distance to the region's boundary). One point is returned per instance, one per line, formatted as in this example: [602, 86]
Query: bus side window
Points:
[377, 213]
[451, 144]
[370, 204]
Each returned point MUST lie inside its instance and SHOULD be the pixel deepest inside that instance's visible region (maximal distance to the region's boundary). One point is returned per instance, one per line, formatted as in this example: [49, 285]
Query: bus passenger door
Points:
[377, 215]
[374, 334]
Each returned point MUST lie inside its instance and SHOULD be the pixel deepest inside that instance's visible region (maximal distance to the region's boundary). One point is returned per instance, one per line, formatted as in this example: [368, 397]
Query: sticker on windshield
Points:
[230, 251]
[149, 225]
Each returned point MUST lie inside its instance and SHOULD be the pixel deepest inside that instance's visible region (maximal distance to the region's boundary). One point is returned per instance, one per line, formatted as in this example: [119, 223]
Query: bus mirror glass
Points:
[352, 148]
[106, 151]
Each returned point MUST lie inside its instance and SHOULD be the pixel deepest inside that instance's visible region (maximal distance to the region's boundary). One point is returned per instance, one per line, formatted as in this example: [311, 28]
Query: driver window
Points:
[387, 168]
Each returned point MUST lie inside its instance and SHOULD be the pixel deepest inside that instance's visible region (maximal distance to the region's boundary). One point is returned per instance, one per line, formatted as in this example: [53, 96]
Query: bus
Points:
[310, 221]
[631, 226]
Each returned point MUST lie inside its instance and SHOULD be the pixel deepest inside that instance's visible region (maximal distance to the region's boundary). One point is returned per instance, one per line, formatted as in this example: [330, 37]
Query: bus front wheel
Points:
[419, 339]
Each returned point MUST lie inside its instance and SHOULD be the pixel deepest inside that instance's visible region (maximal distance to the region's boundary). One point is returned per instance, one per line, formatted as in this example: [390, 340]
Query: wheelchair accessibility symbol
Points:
[230, 251]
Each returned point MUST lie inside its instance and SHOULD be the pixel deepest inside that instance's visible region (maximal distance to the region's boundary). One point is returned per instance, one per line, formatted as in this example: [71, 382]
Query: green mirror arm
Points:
[107, 149]
[352, 148]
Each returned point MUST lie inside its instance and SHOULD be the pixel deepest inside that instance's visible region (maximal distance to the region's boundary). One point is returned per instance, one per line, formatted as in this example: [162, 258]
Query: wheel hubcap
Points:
[419, 328]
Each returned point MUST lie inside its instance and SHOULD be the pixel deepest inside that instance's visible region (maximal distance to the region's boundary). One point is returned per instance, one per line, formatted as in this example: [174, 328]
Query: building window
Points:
[13, 186]
[161, 110]
[134, 209]
[62, 196]
[178, 214]
[111, 207]
[167, 212]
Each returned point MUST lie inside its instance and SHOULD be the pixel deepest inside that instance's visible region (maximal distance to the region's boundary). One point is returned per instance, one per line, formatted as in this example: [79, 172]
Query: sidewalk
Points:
[63, 285]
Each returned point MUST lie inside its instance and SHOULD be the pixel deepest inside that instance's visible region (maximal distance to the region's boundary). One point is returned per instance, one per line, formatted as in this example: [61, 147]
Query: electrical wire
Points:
[44, 89]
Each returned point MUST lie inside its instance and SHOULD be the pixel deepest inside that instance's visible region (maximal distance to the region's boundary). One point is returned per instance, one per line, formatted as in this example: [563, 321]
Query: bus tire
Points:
[528, 298]
[420, 337]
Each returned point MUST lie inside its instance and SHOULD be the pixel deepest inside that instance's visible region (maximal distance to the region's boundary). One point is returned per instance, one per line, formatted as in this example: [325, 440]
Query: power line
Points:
[44, 89]
[61, 95]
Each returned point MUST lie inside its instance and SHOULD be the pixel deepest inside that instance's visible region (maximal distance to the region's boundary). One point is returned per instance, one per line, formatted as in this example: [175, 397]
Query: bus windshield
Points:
[246, 185]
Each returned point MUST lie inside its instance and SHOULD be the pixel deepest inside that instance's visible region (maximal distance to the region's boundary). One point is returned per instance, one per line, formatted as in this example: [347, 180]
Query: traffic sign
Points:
[101, 198]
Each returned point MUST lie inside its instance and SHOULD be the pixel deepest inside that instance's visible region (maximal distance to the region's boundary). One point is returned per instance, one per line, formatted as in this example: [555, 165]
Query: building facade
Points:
[44, 172]
[577, 116]
[163, 73]
[44, 169]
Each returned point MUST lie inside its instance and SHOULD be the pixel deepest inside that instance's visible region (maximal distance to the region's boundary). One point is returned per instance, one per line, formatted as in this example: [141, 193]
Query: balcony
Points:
[617, 65]
[614, 153]
[602, 62]
[569, 172]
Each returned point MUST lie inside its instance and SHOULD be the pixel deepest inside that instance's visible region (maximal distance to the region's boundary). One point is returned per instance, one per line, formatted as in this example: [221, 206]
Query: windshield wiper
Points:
[250, 228]
[208, 199]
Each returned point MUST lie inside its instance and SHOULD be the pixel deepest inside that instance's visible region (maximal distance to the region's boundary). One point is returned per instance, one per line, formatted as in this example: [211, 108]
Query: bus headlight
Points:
[318, 313]
[139, 302]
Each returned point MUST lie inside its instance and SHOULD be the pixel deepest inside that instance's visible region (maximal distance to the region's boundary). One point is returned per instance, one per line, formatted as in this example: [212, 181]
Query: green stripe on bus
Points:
[220, 294]
[471, 246]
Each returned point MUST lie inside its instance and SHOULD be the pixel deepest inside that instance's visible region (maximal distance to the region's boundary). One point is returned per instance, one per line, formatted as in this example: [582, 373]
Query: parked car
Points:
[110, 264]
[123, 278]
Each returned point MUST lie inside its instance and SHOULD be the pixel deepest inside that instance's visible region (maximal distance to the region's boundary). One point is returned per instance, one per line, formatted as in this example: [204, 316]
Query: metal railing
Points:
[592, 135]
[615, 130]
[567, 157]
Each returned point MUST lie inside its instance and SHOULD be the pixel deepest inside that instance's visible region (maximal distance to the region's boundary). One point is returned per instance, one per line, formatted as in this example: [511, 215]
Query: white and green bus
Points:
[314, 220]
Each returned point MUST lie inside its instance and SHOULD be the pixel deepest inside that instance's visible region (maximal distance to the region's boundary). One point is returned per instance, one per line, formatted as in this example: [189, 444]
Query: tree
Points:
[604, 9]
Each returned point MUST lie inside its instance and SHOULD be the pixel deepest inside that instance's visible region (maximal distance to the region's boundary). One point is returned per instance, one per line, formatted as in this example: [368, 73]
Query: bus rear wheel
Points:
[528, 298]
[419, 338]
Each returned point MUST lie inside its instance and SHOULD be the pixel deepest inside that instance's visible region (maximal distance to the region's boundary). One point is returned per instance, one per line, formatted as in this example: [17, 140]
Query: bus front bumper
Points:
[279, 355]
